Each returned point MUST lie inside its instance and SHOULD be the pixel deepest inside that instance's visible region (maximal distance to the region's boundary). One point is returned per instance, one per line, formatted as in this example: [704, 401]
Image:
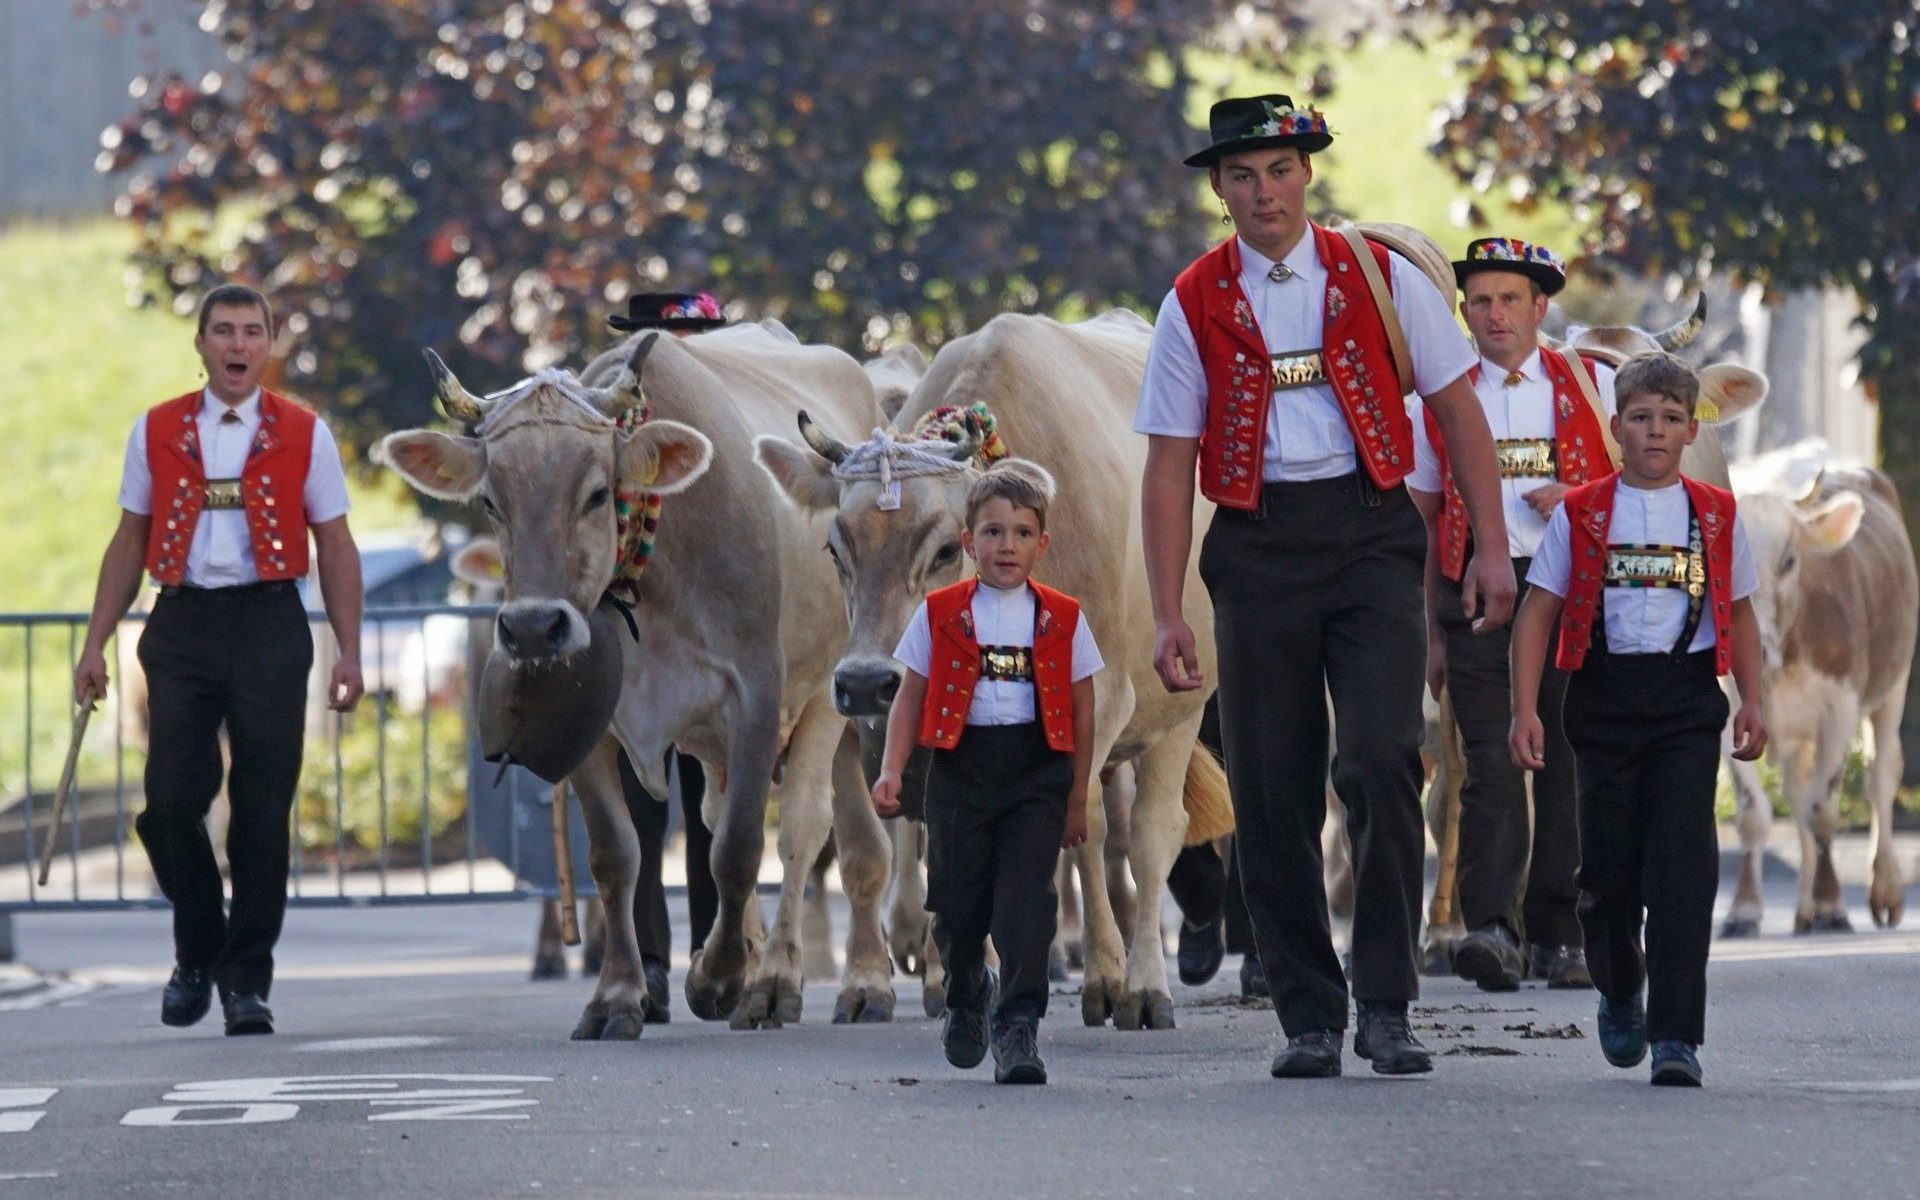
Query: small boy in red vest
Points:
[999, 685]
[1650, 576]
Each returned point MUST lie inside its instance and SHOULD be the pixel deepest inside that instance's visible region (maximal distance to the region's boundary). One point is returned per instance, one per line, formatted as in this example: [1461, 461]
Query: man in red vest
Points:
[1650, 577]
[220, 489]
[1277, 371]
[1548, 411]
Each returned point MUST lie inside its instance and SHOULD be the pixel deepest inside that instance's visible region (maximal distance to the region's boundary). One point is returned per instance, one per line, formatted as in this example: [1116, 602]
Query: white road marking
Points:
[17, 1098]
[30, 1175]
[175, 1115]
[1825, 946]
[372, 1043]
[1866, 1086]
[268, 1100]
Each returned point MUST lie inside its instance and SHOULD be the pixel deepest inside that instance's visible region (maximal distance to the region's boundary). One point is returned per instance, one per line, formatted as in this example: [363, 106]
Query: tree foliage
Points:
[491, 179]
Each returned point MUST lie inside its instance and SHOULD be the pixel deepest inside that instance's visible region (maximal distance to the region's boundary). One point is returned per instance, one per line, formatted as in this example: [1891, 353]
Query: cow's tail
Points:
[1208, 803]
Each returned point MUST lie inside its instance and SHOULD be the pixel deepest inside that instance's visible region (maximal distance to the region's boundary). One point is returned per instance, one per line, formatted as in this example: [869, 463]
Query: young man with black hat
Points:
[220, 490]
[1548, 410]
[1277, 371]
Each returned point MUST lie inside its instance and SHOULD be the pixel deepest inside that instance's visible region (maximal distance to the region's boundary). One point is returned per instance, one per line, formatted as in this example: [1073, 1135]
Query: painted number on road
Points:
[14, 1099]
[400, 1097]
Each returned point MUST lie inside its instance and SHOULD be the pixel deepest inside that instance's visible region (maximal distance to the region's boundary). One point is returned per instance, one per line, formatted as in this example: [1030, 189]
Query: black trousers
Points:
[1496, 851]
[996, 812]
[1322, 593]
[1646, 736]
[651, 818]
[232, 658]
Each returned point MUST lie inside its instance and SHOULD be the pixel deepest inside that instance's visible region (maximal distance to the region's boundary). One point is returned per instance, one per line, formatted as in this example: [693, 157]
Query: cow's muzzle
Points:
[865, 687]
[538, 630]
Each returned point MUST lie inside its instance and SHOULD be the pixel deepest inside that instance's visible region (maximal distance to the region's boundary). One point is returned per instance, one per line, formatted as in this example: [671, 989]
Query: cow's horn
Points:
[833, 451]
[457, 402]
[1810, 495]
[625, 392]
[1680, 335]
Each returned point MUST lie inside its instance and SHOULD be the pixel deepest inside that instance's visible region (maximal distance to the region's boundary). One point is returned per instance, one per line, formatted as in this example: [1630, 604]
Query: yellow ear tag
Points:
[1706, 410]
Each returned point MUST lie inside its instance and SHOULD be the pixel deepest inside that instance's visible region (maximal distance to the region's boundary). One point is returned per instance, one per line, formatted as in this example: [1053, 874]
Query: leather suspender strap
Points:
[1383, 301]
[1584, 379]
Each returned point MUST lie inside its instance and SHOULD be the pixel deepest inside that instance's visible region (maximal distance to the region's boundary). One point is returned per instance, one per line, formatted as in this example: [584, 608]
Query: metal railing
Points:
[394, 805]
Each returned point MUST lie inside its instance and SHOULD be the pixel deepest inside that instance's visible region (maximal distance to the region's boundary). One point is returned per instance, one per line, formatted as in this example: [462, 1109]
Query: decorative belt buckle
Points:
[1525, 458]
[224, 493]
[1655, 566]
[1298, 369]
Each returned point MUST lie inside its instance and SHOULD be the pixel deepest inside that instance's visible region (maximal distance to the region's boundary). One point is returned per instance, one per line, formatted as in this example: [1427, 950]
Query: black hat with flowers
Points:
[1261, 123]
[686, 312]
[1537, 263]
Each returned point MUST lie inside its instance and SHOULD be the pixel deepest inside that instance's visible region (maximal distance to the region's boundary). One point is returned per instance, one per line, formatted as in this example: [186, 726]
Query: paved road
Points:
[1814, 1088]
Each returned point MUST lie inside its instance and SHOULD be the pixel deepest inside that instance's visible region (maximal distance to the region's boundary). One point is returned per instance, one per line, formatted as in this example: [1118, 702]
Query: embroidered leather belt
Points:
[224, 493]
[1526, 458]
[1006, 664]
[1657, 566]
[1298, 369]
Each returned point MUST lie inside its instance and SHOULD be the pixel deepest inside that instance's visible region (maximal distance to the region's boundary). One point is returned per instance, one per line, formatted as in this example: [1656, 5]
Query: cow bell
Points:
[548, 716]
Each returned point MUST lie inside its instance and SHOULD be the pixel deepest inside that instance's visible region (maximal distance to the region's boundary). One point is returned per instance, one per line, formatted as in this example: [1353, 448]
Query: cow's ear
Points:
[664, 457]
[479, 563]
[895, 374]
[1733, 389]
[448, 468]
[1831, 524]
[801, 475]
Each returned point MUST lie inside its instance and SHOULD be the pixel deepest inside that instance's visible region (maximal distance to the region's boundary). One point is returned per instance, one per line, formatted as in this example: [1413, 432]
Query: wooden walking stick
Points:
[61, 793]
[562, 866]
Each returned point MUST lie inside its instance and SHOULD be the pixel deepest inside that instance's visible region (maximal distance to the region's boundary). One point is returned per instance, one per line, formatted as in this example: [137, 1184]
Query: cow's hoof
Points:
[623, 1025]
[1099, 999]
[710, 998]
[1740, 927]
[592, 1022]
[1836, 921]
[933, 1001]
[549, 966]
[1887, 904]
[1436, 958]
[1144, 1010]
[864, 1006]
[768, 1004]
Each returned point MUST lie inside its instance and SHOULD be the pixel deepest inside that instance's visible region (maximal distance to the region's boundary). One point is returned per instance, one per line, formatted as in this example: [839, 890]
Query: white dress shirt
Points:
[1307, 434]
[1001, 617]
[1643, 620]
[1520, 410]
[222, 550]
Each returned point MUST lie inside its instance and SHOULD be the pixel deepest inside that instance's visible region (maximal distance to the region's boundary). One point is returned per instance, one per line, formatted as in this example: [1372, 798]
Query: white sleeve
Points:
[1441, 352]
[1173, 394]
[1746, 579]
[1086, 651]
[136, 481]
[1553, 560]
[325, 495]
[915, 650]
[1425, 476]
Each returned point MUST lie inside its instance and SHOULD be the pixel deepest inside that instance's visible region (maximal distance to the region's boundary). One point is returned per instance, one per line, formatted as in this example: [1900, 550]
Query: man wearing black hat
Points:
[1548, 410]
[1278, 370]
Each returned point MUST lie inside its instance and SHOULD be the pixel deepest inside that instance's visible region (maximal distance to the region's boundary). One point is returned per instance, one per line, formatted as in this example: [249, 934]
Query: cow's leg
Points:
[774, 997]
[549, 956]
[717, 976]
[866, 859]
[1886, 895]
[1068, 953]
[1445, 926]
[816, 921]
[1118, 788]
[1838, 723]
[1796, 769]
[1104, 981]
[1337, 850]
[618, 1007]
[1753, 816]
[593, 936]
[1159, 827]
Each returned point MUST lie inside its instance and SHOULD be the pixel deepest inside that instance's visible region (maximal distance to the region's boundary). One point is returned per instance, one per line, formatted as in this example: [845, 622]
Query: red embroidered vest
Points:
[1579, 452]
[1358, 363]
[955, 665]
[272, 486]
[1590, 521]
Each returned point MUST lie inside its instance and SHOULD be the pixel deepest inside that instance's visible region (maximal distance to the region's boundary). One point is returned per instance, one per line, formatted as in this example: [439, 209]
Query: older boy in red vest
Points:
[220, 490]
[1649, 575]
[1547, 410]
[1277, 375]
[999, 685]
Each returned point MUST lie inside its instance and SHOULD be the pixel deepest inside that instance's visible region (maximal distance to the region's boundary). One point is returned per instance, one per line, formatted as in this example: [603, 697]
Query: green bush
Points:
[341, 782]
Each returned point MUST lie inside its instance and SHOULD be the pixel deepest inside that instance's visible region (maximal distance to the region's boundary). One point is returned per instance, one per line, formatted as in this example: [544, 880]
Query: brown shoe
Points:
[1490, 957]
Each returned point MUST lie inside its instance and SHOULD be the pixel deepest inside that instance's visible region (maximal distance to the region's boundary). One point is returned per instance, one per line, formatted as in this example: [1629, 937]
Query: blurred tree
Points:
[1778, 141]
[491, 179]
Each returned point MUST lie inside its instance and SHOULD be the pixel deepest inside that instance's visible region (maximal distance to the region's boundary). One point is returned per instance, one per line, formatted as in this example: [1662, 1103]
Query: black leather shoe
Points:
[246, 1013]
[1383, 1035]
[658, 1010]
[965, 1036]
[188, 996]
[1202, 947]
[1253, 978]
[1559, 966]
[1491, 958]
[1016, 1052]
[1311, 1055]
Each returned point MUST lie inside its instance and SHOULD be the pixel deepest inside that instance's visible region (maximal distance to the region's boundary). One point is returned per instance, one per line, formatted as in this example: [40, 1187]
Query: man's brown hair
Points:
[1020, 482]
[233, 295]
[1656, 373]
